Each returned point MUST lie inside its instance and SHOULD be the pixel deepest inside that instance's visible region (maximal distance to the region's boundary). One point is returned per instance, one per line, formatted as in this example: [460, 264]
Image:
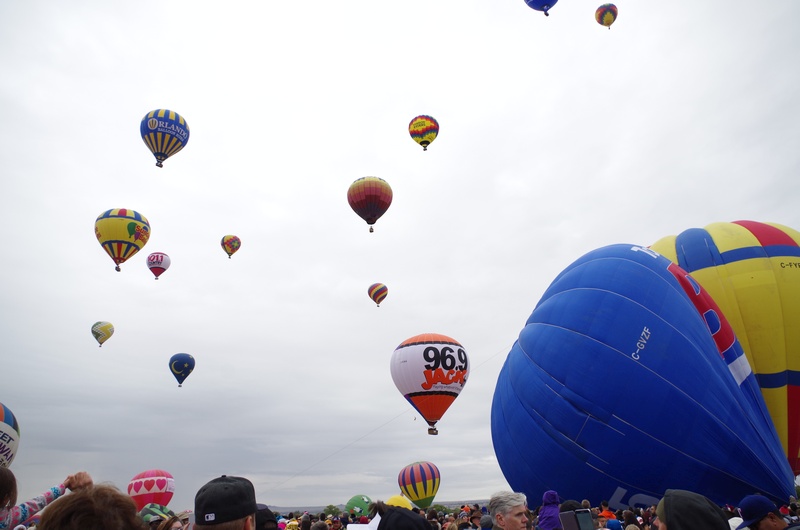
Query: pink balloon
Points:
[154, 485]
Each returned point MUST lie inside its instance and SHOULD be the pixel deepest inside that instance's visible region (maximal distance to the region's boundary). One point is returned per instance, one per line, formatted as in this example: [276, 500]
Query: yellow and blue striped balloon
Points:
[165, 132]
[419, 482]
[122, 233]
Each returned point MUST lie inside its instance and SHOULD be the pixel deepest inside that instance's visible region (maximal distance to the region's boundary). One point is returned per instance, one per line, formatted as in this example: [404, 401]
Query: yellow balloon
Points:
[752, 270]
[102, 331]
[122, 233]
[399, 501]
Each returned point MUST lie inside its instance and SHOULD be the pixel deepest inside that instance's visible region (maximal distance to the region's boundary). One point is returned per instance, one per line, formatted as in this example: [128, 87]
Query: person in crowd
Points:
[509, 511]
[305, 522]
[171, 523]
[319, 525]
[184, 517]
[101, 507]
[154, 514]
[336, 523]
[12, 514]
[486, 522]
[548, 514]
[629, 518]
[228, 503]
[475, 519]
[686, 510]
[396, 518]
[760, 513]
[605, 512]
[265, 519]
[433, 519]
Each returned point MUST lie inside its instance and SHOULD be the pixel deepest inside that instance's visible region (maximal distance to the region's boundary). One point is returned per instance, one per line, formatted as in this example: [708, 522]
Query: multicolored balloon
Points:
[122, 233]
[181, 365]
[423, 130]
[419, 482]
[358, 505]
[102, 331]
[152, 486]
[606, 14]
[370, 197]
[9, 436]
[158, 263]
[627, 358]
[541, 5]
[430, 370]
[165, 132]
[230, 244]
[377, 291]
[752, 270]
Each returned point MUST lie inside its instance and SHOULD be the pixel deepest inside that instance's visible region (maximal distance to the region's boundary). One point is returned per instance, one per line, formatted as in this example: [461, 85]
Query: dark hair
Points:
[8, 488]
[167, 524]
[92, 508]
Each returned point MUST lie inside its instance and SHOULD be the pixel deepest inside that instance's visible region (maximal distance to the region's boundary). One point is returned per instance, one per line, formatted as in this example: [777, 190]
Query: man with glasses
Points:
[760, 513]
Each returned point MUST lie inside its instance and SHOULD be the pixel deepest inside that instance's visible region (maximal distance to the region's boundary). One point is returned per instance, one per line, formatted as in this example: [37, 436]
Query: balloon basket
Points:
[117, 269]
[159, 164]
[370, 229]
[433, 430]
[180, 386]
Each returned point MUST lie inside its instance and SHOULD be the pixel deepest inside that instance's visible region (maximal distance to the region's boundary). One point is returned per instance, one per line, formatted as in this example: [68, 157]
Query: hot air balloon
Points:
[606, 14]
[752, 270]
[419, 482]
[358, 505]
[423, 130]
[151, 486]
[102, 331]
[158, 262]
[430, 370]
[9, 436]
[122, 233]
[400, 502]
[541, 5]
[165, 132]
[377, 291]
[625, 359]
[181, 365]
[370, 197]
[230, 244]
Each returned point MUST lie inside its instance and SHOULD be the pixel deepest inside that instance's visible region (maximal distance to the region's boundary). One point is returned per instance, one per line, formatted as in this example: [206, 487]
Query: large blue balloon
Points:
[541, 5]
[627, 381]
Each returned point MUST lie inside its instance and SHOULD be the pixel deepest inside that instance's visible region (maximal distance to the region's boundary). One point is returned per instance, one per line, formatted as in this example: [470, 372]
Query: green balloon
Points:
[358, 505]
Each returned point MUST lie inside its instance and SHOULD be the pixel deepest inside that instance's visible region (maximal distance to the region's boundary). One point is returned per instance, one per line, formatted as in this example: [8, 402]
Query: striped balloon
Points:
[377, 291]
[370, 198]
[122, 233]
[752, 271]
[165, 132]
[419, 482]
[9, 436]
[606, 14]
[423, 130]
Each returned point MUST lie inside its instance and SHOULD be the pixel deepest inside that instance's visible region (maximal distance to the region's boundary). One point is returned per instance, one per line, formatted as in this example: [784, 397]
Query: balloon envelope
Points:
[358, 505]
[370, 198]
[606, 14]
[430, 370]
[419, 482]
[400, 502]
[9, 436]
[151, 486]
[377, 291]
[164, 132]
[181, 365]
[625, 360]
[230, 244]
[423, 130]
[541, 5]
[122, 233]
[158, 262]
[102, 331]
[752, 270]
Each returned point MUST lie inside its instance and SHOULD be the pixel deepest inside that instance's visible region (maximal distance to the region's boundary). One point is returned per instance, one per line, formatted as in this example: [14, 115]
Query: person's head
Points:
[601, 521]
[96, 507]
[336, 523]
[586, 505]
[760, 513]
[508, 509]
[226, 503]
[265, 519]
[604, 505]
[154, 514]
[172, 523]
[8, 488]
[395, 518]
[475, 518]
[319, 525]
[686, 509]
[486, 521]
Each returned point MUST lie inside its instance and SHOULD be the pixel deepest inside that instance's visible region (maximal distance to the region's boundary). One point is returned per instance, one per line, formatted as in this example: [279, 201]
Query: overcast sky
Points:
[558, 136]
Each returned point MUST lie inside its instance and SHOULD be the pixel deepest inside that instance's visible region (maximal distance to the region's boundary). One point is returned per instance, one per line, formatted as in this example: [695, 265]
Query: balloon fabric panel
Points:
[752, 270]
[370, 198]
[617, 366]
